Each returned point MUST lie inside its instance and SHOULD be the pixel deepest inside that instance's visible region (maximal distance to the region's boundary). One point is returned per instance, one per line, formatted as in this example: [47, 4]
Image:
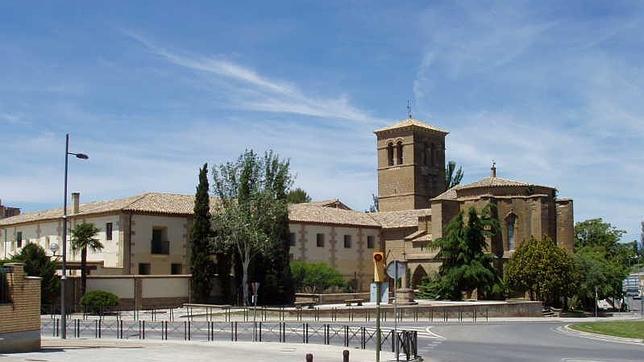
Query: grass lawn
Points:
[628, 329]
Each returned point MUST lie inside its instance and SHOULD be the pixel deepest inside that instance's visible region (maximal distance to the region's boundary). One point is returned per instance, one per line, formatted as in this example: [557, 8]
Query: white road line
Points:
[434, 335]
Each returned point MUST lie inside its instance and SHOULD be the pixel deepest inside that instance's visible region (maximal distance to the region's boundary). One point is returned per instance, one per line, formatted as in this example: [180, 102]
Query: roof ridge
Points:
[143, 195]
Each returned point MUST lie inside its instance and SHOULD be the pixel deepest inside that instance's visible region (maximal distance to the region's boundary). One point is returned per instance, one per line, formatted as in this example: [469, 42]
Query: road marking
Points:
[434, 335]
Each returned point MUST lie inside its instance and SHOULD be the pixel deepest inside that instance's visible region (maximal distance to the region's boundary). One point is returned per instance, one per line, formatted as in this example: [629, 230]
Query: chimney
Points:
[75, 202]
[493, 169]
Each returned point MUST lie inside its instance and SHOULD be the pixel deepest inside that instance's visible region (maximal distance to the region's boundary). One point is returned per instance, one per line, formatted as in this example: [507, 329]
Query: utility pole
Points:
[63, 278]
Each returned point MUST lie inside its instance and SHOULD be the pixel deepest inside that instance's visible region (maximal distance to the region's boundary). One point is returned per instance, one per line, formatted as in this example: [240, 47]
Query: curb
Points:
[600, 337]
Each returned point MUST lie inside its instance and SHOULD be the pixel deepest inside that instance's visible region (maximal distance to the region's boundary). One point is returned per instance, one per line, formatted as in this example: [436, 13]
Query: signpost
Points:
[378, 277]
[396, 270]
[255, 287]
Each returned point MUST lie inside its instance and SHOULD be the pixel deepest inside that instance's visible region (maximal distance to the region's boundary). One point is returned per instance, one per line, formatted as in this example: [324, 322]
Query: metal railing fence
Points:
[280, 332]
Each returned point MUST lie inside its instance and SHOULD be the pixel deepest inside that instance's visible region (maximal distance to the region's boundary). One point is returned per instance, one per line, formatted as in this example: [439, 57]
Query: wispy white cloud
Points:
[551, 98]
[257, 92]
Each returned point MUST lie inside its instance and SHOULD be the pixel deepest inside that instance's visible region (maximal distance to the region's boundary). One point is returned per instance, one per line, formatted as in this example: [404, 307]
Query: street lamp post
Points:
[63, 281]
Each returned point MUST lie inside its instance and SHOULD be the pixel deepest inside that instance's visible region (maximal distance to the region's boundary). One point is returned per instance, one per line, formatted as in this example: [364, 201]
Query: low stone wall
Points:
[142, 291]
[20, 318]
[434, 312]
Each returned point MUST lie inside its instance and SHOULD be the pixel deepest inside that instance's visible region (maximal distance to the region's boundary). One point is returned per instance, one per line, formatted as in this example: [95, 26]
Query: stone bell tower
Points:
[411, 165]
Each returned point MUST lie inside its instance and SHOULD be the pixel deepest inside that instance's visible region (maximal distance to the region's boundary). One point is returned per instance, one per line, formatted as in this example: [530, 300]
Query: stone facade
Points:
[20, 316]
[411, 165]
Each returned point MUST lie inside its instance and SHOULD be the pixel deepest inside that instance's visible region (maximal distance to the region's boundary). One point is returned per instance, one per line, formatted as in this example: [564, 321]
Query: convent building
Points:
[148, 233]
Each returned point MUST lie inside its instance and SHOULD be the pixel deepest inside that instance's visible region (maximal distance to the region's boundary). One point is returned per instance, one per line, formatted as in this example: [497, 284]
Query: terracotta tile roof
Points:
[493, 182]
[308, 213]
[163, 203]
[448, 195]
[154, 202]
[411, 122]
[178, 204]
[399, 219]
[489, 181]
[330, 203]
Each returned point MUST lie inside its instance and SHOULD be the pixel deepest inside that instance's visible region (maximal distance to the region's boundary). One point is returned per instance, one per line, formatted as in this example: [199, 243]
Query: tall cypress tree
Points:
[201, 265]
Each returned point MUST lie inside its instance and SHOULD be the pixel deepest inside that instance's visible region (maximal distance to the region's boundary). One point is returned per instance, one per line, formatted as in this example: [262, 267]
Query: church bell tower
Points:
[411, 165]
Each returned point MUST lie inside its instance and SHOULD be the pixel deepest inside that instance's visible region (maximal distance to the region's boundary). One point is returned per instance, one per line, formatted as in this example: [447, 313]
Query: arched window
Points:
[400, 152]
[511, 221]
[390, 154]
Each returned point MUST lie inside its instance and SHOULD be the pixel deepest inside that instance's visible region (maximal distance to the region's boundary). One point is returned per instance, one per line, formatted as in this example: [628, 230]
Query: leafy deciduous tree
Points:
[253, 221]
[298, 196]
[541, 268]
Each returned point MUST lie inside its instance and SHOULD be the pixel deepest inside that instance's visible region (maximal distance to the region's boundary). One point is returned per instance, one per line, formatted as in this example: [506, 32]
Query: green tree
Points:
[83, 238]
[375, 204]
[38, 264]
[453, 175]
[596, 232]
[596, 270]
[465, 265]
[253, 222]
[315, 277]
[201, 264]
[602, 261]
[298, 196]
[541, 268]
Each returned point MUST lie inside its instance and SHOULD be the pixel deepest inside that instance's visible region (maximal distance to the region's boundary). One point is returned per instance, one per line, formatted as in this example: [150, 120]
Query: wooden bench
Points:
[357, 302]
[302, 304]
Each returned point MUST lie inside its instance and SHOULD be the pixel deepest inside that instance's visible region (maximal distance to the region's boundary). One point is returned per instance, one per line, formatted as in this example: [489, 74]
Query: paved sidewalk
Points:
[121, 350]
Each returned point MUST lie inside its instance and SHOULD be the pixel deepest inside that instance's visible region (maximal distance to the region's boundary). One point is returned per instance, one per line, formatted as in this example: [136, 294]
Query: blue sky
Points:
[552, 91]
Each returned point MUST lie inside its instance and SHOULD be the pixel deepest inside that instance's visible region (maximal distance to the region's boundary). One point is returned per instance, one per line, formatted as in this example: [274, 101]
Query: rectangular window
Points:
[347, 241]
[371, 241]
[108, 231]
[291, 239]
[157, 234]
[320, 240]
[160, 243]
[19, 239]
[176, 268]
[144, 269]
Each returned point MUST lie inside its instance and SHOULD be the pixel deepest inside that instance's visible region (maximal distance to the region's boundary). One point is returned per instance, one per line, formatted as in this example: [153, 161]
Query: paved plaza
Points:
[122, 350]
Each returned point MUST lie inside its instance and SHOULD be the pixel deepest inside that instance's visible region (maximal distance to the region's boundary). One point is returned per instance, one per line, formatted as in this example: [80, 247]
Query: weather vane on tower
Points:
[409, 109]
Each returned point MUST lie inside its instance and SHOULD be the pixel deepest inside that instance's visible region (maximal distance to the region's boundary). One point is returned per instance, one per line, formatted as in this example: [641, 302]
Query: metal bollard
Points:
[309, 357]
[345, 355]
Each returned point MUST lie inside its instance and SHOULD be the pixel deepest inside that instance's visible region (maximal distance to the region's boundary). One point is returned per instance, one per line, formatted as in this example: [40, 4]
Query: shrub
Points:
[97, 300]
[315, 277]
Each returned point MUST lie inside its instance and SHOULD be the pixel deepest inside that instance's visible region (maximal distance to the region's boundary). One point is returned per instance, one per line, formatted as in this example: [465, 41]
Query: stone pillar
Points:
[405, 295]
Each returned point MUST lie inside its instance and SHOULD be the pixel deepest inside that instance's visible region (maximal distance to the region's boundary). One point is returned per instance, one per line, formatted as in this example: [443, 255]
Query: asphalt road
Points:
[519, 341]
[484, 341]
